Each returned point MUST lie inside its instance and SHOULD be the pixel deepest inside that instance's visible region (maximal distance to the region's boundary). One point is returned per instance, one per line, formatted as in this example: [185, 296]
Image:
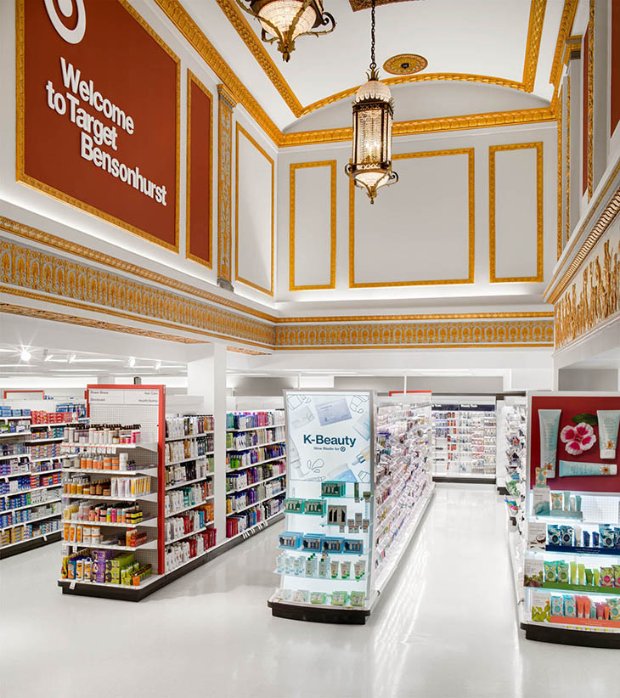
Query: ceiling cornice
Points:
[263, 58]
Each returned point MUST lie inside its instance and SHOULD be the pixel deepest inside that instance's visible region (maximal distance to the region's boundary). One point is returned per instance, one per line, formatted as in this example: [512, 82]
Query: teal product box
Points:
[557, 605]
[312, 541]
[332, 545]
[290, 540]
[355, 547]
[293, 505]
[554, 535]
[315, 507]
[570, 606]
[333, 489]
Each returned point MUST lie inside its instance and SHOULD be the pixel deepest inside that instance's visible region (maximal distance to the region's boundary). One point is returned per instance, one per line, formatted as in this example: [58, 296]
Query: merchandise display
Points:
[513, 452]
[30, 474]
[111, 492]
[465, 439]
[357, 486]
[573, 519]
[255, 470]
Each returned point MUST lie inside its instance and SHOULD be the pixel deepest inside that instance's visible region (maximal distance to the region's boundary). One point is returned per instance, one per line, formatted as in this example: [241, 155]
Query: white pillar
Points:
[206, 377]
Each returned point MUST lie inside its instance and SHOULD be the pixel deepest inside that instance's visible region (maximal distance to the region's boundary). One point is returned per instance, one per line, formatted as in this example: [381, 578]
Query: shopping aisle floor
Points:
[446, 628]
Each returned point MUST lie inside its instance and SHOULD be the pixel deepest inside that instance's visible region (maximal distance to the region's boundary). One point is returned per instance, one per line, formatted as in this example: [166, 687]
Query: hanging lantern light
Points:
[373, 112]
[284, 20]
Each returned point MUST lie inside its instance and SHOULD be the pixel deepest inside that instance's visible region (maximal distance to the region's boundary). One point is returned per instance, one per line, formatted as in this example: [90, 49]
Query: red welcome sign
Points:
[98, 113]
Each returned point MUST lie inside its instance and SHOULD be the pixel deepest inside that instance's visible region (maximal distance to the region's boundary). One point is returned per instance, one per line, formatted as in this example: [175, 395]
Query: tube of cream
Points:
[575, 468]
[608, 422]
[549, 426]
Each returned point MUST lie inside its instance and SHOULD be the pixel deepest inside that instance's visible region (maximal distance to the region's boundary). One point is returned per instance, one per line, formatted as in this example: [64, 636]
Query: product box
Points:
[537, 534]
[533, 575]
[540, 501]
[541, 606]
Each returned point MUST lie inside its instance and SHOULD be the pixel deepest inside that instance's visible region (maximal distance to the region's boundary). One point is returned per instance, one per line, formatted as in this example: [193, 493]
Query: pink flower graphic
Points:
[578, 438]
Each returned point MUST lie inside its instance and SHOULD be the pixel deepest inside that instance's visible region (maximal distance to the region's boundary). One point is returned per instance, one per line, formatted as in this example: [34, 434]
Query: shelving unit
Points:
[464, 439]
[255, 470]
[570, 581]
[30, 481]
[512, 457]
[358, 485]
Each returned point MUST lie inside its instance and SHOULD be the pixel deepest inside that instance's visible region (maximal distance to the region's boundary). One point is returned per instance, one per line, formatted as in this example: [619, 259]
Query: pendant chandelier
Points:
[282, 21]
[373, 111]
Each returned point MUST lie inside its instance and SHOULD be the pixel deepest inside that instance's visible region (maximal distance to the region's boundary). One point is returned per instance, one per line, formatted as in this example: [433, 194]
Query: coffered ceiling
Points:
[507, 46]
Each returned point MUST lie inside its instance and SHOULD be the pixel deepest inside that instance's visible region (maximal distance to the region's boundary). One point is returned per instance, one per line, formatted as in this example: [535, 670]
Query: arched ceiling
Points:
[507, 46]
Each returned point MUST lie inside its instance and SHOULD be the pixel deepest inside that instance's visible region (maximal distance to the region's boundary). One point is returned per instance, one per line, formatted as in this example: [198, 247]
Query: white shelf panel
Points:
[170, 439]
[8, 456]
[249, 448]
[152, 522]
[27, 540]
[32, 521]
[30, 472]
[49, 425]
[32, 489]
[149, 580]
[44, 458]
[191, 506]
[255, 504]
[253, 465]
[109, 447]
[11, 419]
[150, 497]
[240, 431]
[152, 472]
[187, 460]
[30, 506]
[256, 484]
[14, 434]
[150, 545]
[189, 535]
[48, 439]
[188, 482]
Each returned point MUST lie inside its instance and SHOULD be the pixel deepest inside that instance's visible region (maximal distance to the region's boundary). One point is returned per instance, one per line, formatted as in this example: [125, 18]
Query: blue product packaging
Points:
[554, 534]
[608, 536]
[586, 539]
[595, 539]
[568, 536]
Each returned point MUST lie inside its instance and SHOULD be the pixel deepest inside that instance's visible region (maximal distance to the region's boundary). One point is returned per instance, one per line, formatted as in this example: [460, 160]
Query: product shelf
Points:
[32, 489]
[150, 522]
[44, 458]
[149, 545]
[240, 431]
[170, 439]
[31, 472]
[249, 448]
[73, 583]
[255, 504]
[109, 447]
[188, 508]
[253, 465]
[187, 460]
[32, 521]
[189, 535]
[256, 484]
[254, 527]
[10, 456]
[149, 497]
[30, 506]
[176, 486]
[47, 439]
[151, 472]
[14, 434]
[27, 540]
[50, 425]
[12, 419]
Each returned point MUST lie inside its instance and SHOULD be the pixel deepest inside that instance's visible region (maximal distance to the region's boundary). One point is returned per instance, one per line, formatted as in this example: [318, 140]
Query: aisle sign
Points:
[329, 435]
[97, 109]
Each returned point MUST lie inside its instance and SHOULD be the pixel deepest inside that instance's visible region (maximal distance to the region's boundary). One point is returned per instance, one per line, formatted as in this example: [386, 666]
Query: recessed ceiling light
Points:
[72, 358]
[132, 361]
[405, 64]
[157, 365]
[25, 355]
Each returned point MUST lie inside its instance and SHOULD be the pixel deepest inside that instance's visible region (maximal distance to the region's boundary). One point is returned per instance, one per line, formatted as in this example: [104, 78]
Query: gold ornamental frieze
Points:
[593, 297]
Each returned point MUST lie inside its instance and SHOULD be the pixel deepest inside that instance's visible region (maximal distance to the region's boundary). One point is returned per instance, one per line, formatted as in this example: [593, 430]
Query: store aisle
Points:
[446, 629]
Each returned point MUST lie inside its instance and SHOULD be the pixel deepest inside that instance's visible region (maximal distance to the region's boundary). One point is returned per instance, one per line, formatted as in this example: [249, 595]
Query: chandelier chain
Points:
[373, 64]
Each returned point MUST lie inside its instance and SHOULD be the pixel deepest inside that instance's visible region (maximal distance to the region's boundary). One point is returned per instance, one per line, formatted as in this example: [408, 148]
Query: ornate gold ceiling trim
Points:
[478, 345]
[416, 335]
[416, 317]
[23, 311]
[419, 77]
[261, 54]
[182, 20]
[409, 128]
[532, 45]
[561, 279]
[29, 233]
[566, 25]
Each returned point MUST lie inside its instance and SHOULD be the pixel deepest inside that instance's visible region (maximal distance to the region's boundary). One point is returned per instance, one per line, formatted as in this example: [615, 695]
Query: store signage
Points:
[98, 118]
[329, 435]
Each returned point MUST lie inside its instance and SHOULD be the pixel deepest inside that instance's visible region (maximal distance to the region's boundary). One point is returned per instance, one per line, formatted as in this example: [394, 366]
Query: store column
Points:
[206, 376]
[226, 104]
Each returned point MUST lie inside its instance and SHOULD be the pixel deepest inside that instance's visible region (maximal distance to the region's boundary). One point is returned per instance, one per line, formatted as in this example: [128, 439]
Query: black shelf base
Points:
[318, 614]
[129, 594]
[470, 480]
[30, 545]
[561, 636]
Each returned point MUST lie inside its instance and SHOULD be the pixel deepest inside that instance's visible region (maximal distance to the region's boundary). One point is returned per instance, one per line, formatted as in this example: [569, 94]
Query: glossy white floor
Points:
[446, 628]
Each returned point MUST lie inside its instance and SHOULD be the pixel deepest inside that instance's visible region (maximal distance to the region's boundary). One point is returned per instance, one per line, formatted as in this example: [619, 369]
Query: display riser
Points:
[466, 479]
[26, 545]
[562, 636]
[319, 614]
[129, 594]
[350, 616]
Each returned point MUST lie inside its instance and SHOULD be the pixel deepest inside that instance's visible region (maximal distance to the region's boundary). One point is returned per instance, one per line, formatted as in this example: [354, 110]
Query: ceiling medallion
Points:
[282, 21]
[405, 64]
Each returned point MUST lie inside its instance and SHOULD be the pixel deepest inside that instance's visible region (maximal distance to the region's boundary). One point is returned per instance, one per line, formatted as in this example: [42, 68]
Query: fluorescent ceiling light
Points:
[97, 361]
[132, 362]
[72, 358]
[157, 365]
